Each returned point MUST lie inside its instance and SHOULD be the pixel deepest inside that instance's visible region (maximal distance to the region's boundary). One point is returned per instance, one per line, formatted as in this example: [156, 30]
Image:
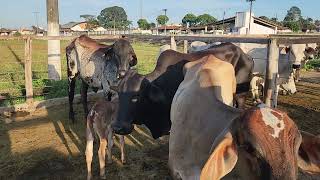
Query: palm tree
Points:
[250, 12]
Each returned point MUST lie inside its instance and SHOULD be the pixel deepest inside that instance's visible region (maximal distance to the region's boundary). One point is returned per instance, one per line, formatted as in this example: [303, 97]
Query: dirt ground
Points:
[45, 145]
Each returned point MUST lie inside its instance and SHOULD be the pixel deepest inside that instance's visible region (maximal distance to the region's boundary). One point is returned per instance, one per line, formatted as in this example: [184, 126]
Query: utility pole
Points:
[54, 61]
[250, 14]
[141, 6]
[37, 24]
[224, 14]
[165, 24]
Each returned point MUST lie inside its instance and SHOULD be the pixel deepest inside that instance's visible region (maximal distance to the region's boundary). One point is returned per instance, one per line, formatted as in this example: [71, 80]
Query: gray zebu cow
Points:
[99, 122]
[98, 65]
[209, 138]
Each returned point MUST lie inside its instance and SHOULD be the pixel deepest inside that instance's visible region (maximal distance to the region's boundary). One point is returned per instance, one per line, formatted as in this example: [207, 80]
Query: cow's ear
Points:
[309, 153]
[222, 160]
[156, 94]
[133, 60]
[153, 92]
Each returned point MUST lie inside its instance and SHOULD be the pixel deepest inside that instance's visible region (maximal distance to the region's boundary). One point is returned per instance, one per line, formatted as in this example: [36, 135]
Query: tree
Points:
[189, 19]
[265, 18]
[205, 19]
[307, 24]
[293, 25]
[317, 22]
[91, 21]
[152, 25]
[293, 14]
[143, 24]
[162, 19]
[115, 17]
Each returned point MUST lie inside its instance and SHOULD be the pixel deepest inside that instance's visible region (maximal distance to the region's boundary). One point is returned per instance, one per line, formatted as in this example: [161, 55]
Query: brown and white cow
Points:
[97, 65]
[99, 122]
[210, 138]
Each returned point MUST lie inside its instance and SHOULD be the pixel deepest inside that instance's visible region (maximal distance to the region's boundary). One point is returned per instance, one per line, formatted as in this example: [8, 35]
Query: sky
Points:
[19, 13]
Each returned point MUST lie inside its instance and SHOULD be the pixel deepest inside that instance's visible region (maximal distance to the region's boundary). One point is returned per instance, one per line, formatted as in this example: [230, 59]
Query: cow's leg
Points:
[84, 90]
[102, 157]
[297, 74]
[241, 100]
[89, 151]
[122, 143]
[71, 87]
[110, 144]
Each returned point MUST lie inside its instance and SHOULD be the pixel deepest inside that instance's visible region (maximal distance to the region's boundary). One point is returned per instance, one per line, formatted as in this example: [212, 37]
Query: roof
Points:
[2, 30]
[169, 27]
[257, 20]
[70, 25]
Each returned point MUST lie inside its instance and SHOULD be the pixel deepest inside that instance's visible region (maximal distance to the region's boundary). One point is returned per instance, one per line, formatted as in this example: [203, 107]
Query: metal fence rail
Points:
[24, 67]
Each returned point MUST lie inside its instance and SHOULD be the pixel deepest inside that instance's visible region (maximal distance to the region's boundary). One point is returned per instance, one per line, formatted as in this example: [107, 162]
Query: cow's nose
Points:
[122, 130]
[122, 73]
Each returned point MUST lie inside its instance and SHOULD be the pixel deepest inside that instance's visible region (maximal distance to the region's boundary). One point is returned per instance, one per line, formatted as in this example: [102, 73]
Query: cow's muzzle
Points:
[122, 128]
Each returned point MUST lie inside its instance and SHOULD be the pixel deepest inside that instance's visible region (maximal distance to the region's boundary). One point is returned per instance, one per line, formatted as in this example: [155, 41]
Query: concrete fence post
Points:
[270, 84]
[185, 46]
[173, 43]
[54, 61]
[28, 70]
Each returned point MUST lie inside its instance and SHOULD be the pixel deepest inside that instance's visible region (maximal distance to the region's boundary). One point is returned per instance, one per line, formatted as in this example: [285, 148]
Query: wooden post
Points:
[173, 43]
[28, 70]
[185, 46]
[270, 84]
[54, 61]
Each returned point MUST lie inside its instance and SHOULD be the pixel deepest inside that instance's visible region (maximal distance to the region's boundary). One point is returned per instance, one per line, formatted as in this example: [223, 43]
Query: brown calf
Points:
[99, 121]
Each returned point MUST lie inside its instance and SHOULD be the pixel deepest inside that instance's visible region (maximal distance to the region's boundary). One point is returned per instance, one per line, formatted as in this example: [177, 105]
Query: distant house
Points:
[239, 24]
[25, 31]
[39, 31]
[5, 32]
[71, 27]
[168, 28]
[78, 27]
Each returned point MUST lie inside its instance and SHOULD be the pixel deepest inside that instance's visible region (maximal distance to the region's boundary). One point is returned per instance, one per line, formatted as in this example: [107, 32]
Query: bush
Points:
[312, 64]
[16, 34]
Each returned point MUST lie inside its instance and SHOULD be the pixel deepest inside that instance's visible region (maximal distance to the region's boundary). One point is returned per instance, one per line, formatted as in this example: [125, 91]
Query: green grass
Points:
[12, 84]
[312, 64]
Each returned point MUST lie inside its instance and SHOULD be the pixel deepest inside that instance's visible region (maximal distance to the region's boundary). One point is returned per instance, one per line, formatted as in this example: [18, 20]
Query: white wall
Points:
[259, 29]
[242, 25]
[77, 28]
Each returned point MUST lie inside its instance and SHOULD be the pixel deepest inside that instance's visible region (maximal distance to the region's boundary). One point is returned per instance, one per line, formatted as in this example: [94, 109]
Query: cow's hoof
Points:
[71, 117]
[124, 161]
[89, 177]
[103, 177]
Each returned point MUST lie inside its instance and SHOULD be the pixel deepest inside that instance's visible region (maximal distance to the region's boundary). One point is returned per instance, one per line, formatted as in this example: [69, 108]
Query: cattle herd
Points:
[198, 99]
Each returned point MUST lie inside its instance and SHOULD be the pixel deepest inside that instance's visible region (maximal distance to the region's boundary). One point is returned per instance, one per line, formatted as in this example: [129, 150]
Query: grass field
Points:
[12, 84]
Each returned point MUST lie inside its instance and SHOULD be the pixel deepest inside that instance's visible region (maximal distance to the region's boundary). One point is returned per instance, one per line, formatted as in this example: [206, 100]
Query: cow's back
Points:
[199, 113]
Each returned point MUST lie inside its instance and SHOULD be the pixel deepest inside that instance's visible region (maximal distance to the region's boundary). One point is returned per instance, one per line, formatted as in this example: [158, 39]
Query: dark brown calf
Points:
[99, 122]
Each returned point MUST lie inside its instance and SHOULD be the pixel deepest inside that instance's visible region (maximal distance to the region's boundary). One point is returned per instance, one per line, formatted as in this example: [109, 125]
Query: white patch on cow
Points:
[271, 120]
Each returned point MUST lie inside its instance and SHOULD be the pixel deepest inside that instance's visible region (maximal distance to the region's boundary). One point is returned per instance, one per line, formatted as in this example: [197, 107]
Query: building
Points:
[79, 28]
[25, 31]
[39, 31]
[239, 24]
[71, 27]
[5, 32]
[168, 29]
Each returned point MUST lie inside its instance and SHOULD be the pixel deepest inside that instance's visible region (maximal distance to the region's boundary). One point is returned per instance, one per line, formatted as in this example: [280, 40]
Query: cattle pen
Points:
[271, 41]
[43, 143]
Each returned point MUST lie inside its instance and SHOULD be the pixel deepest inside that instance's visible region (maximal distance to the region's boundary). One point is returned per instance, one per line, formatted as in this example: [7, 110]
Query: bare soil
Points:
[45, 145]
